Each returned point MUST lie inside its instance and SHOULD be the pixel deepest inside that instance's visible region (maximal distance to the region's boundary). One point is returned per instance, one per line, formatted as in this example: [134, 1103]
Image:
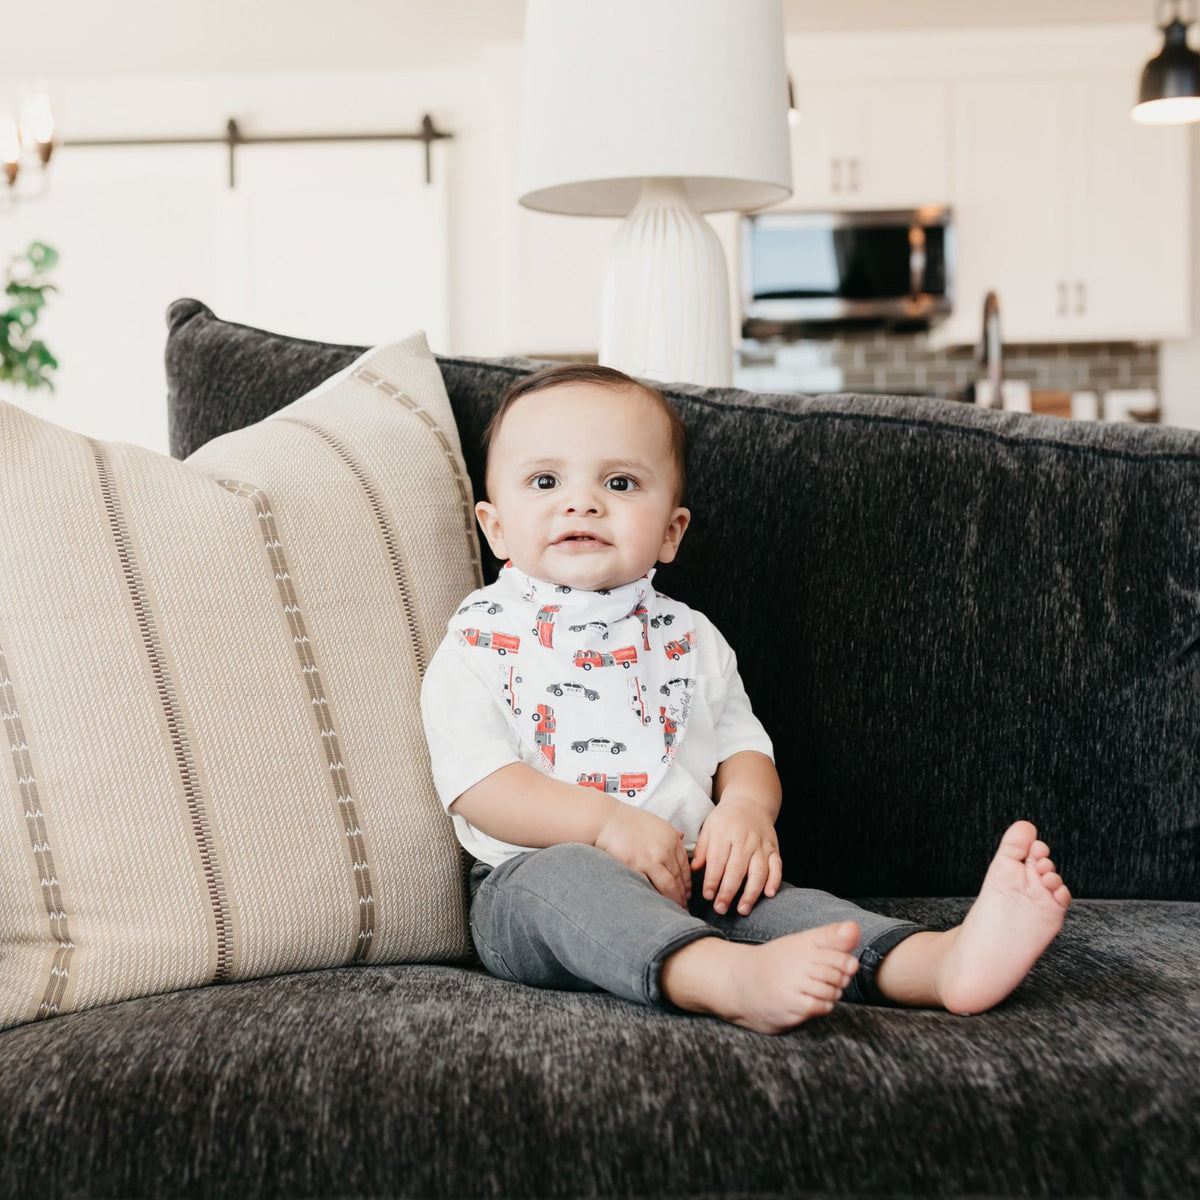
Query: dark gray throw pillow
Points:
[947, 618]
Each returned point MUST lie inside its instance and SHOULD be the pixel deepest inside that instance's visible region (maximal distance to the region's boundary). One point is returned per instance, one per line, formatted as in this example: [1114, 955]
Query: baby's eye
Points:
[544, 483]
[620, 483]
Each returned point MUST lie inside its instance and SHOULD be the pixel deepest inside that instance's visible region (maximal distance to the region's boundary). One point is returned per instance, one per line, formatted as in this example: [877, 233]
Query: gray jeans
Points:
[573, 917]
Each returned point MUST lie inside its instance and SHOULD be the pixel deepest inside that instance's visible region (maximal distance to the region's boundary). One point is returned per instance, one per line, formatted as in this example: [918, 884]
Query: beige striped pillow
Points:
[213, 764]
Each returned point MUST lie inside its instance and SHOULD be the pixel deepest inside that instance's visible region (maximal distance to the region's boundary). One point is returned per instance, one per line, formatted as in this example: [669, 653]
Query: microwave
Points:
[805, 271]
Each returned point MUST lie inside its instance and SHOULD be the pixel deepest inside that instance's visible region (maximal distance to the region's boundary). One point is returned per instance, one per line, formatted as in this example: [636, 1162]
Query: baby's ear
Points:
[680, 519]
[489, 522]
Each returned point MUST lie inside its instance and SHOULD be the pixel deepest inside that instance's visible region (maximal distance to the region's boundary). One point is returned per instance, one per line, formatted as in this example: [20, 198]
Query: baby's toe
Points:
[810, 1006]
[1018, 840]
[822, 991]
[1044, 865]
[1058, 890]
[847, 964]
[1039, 849]
[827, 973]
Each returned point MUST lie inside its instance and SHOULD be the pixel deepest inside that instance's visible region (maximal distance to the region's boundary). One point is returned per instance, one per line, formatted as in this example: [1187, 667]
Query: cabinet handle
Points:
[1080, 297]
[837, 174]
[1062, 298]
[854, 174]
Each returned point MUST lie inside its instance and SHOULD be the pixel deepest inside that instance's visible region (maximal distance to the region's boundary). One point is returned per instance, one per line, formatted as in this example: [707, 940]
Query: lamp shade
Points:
[619, 91]
[1169, 92]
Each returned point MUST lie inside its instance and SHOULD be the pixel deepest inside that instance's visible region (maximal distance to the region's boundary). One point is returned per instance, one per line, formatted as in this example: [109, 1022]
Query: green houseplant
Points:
[25, 359]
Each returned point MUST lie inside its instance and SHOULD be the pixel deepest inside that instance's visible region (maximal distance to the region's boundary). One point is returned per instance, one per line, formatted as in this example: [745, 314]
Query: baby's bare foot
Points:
[1018, 913]
[782, 983]
[768, 988]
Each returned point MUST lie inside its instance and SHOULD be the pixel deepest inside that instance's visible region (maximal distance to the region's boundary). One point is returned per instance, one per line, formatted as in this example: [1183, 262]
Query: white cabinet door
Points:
[1007, 196]
[1130, 268]
[821, 141]
[903, 151]
[1074, 215]
[864, 145]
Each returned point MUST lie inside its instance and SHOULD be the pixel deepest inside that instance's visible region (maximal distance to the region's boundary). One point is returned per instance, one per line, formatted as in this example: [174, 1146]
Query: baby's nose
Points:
[582, 502]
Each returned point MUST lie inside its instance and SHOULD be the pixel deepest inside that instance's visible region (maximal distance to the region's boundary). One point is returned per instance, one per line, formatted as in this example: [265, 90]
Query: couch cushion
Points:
[438, 1081]
[209, 679]
[947, 618]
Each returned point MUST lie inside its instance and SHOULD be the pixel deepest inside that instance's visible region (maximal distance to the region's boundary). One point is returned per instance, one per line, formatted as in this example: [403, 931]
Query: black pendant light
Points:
[1170, 88]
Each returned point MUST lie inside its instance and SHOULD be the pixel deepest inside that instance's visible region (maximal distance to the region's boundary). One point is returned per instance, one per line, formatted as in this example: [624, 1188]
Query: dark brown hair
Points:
[606, 377]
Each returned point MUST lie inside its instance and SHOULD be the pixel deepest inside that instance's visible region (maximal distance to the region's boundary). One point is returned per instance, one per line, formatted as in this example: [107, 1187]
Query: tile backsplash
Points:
[885, 362]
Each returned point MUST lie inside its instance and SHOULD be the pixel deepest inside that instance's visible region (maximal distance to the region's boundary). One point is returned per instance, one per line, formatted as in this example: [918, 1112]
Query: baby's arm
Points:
[737, 841]
[519, 804]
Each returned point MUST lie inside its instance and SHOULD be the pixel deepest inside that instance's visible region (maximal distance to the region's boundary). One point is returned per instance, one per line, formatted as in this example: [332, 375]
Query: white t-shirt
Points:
[470, 737]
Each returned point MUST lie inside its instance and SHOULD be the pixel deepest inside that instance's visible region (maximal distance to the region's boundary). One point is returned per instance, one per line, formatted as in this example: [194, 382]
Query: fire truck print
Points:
[502, 643]
[544, 726]
[643, 615]
[670, 735]
[626, 656]
[629, 784]
[685, 645]
[544, 629]
[508, 688]
[637, 700]
[661, 619]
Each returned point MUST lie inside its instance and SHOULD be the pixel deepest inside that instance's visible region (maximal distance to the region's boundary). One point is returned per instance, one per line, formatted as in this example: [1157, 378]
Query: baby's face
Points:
[582, 484]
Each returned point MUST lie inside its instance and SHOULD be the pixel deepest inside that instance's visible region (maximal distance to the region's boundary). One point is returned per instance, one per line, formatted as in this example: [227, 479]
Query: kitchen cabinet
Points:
[1074, 215]
[865, 145]
[1130, 214]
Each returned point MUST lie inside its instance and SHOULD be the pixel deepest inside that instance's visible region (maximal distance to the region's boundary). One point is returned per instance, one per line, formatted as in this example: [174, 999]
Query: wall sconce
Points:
[27, 140]
[1170, 88]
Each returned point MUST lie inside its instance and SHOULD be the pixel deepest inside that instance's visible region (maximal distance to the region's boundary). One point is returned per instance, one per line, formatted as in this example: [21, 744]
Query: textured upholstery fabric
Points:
[209, 682]
[438, 1081]
[979, 617]
[427, 1081]
[959, 618]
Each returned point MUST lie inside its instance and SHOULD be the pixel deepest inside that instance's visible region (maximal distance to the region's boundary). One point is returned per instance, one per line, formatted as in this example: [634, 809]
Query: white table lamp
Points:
[662, 110]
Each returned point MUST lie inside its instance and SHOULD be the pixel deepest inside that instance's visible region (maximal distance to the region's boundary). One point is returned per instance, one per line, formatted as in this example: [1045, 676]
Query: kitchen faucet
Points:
[990, 349]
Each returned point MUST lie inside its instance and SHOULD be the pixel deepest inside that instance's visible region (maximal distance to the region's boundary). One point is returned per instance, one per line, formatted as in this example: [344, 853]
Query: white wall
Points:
[517, 282]
[124, 37]
[339, 242]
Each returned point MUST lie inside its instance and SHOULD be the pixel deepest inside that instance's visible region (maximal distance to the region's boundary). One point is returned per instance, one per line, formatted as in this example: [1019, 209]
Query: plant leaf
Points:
[25, 360]
[44, 257]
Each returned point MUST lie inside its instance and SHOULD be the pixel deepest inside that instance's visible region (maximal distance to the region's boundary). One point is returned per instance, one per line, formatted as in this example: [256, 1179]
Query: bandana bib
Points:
[598, 684]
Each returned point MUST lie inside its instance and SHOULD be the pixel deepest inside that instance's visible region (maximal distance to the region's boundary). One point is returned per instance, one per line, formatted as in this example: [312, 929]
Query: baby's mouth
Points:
[586, 539]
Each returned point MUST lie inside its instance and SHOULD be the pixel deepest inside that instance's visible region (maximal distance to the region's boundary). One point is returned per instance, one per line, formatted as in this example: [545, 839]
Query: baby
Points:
[588, 735]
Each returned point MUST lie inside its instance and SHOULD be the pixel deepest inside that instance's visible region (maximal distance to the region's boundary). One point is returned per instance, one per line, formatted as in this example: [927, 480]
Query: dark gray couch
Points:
[959, 618]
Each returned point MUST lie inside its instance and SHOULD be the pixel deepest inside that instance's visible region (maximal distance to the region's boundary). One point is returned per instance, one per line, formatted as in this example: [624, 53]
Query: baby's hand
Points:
[650, 845]
[738, 842]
